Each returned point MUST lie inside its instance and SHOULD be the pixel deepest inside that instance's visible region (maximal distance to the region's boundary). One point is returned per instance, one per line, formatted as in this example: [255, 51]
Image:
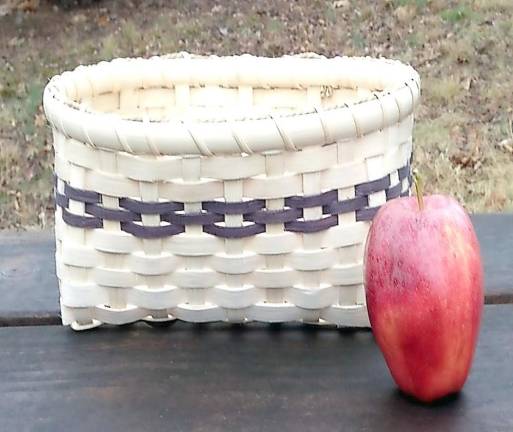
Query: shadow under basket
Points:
[224, 188]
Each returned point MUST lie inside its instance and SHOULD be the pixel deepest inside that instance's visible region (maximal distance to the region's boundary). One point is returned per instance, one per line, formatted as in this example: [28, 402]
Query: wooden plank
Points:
[29, 292]
[231, 378]
[28, 285]
[495, 233]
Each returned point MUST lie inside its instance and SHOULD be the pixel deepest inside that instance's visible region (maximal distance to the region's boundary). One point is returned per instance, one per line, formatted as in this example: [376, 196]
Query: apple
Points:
[424, 291]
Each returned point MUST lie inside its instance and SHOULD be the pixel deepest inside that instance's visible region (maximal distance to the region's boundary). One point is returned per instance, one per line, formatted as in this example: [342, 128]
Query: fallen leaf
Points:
[39, 119]
[5, 9]
[42, 218]
[341, 4]
[404, 13]
[28, 5]
[467, 83]
[79, 18]
[16, 41]
[506, 145]
[103, 20]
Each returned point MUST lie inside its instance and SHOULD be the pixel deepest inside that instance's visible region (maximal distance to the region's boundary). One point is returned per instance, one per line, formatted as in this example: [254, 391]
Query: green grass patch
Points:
[419, 4]
[358, 40]
[457, 14]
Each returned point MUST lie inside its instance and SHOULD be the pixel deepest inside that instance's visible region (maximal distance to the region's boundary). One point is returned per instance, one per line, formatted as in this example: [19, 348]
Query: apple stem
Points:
[418, 189]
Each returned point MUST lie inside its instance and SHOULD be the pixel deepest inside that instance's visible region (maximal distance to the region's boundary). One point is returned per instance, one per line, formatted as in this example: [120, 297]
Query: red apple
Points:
[424, 289]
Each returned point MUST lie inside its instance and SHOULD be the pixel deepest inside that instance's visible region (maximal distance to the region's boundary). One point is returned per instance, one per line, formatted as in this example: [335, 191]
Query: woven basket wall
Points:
[237, 188]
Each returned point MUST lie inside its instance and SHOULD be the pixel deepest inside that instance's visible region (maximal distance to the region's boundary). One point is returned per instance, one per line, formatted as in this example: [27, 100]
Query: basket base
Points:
[338, 316]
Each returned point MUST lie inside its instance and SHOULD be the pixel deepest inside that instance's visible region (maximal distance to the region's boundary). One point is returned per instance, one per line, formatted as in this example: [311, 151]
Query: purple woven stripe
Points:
[61, 200]
[239, 208]
[312, 200]
[311, 226]
[213, 212]
[81, 221]
[394, 191]
[193, 218]
[151, 208]
[151, 232]
[234, 232]
[81, 195]
[373, 186]
[405, 193]
[346, 206]
[404, 171]
[274, 216]
[366, 214]
[111, 214]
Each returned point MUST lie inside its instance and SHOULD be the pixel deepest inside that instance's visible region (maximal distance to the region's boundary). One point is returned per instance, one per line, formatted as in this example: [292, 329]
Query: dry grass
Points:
[463, 137]
[494, 5]
[443, 90]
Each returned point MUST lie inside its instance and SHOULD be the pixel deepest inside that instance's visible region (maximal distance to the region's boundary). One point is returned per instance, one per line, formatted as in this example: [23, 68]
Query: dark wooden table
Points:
[221, 377]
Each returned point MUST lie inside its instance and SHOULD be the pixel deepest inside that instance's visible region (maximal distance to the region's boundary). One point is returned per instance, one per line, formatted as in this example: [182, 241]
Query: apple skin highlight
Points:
[424, 291]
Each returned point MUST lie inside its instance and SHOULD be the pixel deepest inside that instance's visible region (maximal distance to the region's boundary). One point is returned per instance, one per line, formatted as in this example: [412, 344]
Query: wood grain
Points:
[230, 378]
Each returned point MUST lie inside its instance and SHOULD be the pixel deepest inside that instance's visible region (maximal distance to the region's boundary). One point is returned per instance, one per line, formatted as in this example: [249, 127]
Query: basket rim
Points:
[394, 103]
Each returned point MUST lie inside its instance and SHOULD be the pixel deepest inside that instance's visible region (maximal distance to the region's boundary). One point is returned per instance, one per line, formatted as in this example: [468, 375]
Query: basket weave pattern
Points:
[167, 207]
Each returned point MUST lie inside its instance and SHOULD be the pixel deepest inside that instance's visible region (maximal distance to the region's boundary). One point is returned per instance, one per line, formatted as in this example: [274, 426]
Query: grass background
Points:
[462, 50]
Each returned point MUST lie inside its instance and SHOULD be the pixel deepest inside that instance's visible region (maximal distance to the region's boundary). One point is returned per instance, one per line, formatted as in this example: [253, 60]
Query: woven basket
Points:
[236, 188]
